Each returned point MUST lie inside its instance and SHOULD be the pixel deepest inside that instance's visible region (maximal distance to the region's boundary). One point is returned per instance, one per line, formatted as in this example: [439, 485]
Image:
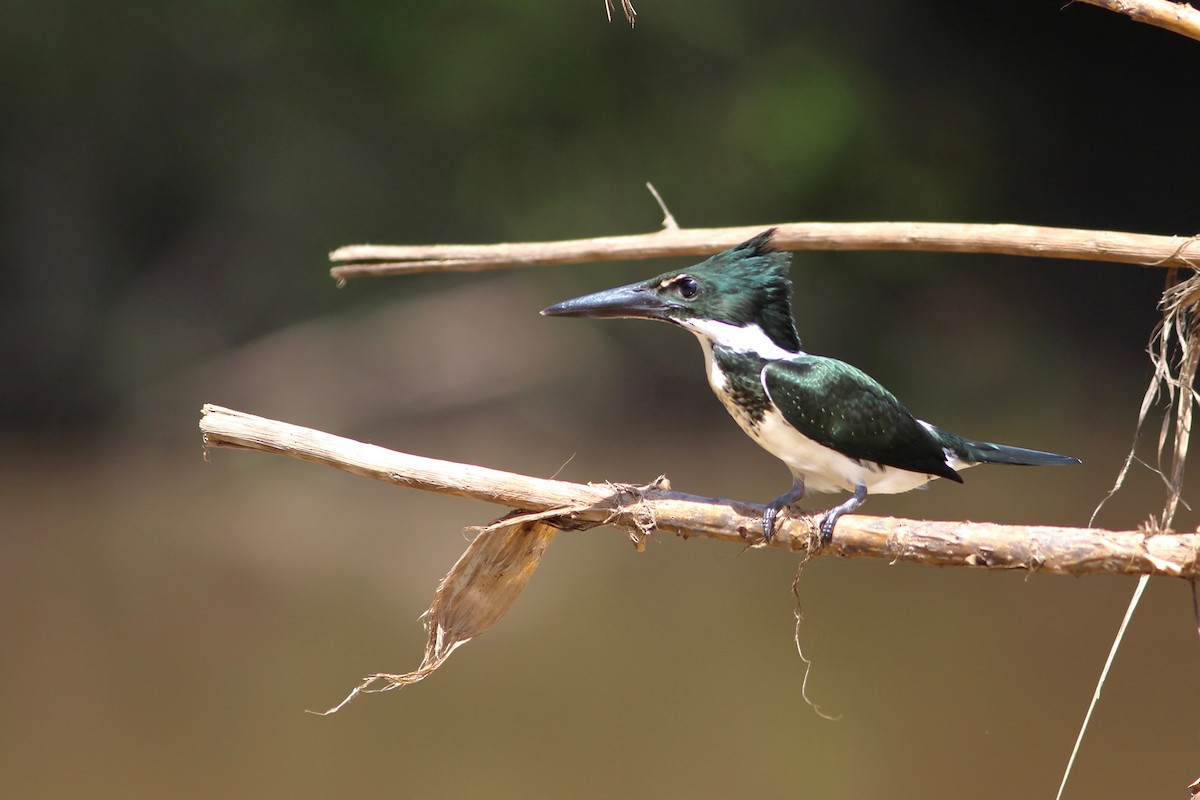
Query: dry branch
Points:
[1019, 240]
[1176, 17]
[638, 510]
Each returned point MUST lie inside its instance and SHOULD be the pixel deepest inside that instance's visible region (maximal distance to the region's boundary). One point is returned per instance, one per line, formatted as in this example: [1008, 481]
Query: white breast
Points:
[825, 469]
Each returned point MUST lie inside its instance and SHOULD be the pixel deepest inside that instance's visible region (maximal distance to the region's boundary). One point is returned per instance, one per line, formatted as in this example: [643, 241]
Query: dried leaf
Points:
[479, 589]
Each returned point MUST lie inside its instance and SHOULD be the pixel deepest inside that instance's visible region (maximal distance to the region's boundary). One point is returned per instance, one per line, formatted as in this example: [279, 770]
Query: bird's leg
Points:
[834, 514]
[793, 495]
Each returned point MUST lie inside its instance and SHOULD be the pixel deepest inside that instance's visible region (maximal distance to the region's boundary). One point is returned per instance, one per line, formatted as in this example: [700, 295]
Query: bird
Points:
[835, 427]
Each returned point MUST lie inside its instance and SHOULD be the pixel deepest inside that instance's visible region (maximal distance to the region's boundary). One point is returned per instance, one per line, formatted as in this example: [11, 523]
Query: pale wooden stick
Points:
[1019, 240]
[1178, 18]
[639, 510]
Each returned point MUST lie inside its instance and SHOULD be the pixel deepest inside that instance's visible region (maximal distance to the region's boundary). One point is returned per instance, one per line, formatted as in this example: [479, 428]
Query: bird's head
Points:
[743, 287]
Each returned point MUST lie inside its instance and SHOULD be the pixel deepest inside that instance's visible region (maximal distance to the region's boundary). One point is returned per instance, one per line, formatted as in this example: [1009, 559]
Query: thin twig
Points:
[668, 222]
[1067, 551]
[366, 260]
[1108, 662]
[626, 6]
[1178, 18]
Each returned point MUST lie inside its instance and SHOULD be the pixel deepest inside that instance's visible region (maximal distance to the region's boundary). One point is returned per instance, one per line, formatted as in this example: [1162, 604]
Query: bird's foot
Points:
[828, 521]
[771, 515]
[831, 517]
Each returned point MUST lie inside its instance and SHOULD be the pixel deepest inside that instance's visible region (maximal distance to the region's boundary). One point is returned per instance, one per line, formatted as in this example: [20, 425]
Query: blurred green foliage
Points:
[173, 172]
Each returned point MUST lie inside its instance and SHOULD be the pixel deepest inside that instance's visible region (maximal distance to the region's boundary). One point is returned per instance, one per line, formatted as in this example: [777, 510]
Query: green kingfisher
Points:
[835, 427]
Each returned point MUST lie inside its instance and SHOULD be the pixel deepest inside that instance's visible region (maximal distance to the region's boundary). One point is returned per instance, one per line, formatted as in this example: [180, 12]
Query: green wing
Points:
[845, 409]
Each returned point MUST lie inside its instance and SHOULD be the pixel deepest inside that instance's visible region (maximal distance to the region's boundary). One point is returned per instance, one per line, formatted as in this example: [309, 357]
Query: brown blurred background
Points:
[173, 176]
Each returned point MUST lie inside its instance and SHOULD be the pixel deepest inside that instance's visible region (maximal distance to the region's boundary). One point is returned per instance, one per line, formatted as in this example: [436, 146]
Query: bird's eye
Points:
[687, 286]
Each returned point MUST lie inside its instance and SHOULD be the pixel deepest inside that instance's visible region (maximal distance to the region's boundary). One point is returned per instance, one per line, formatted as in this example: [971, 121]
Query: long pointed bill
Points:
[633, 300]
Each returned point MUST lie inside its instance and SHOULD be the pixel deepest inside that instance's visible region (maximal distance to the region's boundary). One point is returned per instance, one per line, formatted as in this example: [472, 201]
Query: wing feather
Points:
[845, 409]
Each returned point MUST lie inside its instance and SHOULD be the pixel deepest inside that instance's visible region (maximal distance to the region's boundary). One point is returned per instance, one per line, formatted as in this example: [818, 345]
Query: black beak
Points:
[634, 301]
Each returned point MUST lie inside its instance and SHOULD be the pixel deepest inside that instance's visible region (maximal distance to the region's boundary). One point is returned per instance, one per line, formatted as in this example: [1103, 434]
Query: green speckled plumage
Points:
[843, 408]
[743, 376]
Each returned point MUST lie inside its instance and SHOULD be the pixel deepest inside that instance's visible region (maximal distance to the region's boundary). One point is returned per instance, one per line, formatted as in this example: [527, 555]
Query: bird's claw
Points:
[785, 500]
[831, 517]
[768, 522]
[828, 521]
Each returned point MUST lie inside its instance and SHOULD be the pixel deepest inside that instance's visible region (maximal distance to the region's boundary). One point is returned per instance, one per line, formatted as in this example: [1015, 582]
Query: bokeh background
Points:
[173, 175]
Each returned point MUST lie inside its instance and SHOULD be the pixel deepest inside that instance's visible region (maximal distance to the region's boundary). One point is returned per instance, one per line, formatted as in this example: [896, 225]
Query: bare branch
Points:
[1068, 551]
[1019, 240]
[1176, 17]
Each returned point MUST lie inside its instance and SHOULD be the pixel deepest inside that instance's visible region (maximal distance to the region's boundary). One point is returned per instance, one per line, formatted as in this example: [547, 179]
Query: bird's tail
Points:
[975, 452]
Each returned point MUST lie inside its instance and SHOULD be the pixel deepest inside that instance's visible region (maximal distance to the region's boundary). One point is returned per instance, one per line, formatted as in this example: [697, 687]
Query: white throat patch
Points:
[743, 339]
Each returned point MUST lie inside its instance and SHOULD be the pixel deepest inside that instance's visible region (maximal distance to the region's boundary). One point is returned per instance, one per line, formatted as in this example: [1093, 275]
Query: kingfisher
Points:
[835, 427]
